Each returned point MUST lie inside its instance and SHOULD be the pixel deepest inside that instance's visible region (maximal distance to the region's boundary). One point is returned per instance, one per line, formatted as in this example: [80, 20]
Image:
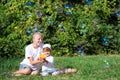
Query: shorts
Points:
[22, 66]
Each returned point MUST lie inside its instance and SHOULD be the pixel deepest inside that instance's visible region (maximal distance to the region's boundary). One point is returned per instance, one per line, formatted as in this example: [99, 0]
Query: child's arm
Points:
[45, 60]
[49, 59]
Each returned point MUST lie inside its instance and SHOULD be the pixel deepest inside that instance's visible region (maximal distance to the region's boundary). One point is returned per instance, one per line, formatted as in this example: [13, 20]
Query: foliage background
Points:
[71, 27]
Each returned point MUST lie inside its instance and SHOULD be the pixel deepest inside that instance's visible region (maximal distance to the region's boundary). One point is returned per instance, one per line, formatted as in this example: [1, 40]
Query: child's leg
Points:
[44, 73]
[56, 73]
[35, 72]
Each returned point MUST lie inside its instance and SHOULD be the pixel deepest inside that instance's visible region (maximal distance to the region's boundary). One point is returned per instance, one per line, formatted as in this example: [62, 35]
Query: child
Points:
[48, 65]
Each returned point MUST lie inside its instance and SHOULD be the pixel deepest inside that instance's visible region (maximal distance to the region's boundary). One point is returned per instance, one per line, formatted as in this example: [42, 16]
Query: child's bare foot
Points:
[16, 74]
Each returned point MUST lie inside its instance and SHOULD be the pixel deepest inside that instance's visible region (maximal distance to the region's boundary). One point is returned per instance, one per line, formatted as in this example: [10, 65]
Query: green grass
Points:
[89, 68]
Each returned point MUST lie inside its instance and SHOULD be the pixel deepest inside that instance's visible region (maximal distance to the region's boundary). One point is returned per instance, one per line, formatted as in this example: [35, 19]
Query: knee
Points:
[27, 71]
[44, 74]
[34, 72]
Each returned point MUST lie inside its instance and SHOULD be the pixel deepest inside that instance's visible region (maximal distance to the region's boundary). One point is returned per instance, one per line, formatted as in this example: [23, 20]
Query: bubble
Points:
[68, 9]
[35, 28]
[117, 13]
[61, 28]
[30, 3]
[41, 31]
[105, 41]
[106, 63]
[29, 31]
[79, 47]
[40, 15]
[80, 50]
[59, 25]
[83, 26]
[88, 2]
[68, 5]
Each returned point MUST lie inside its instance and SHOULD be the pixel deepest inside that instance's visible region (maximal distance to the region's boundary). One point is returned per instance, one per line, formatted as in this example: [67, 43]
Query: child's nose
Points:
[40, 40]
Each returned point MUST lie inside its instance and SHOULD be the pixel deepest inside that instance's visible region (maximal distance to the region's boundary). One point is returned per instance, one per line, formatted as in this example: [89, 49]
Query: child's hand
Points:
[41, 60]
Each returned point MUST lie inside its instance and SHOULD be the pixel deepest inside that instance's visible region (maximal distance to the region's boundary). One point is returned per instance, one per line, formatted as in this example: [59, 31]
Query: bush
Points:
[82, 27]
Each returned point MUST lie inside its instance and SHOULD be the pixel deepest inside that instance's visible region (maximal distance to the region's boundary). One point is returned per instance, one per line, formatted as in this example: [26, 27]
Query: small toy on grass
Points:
[70, 70]
[67, 70]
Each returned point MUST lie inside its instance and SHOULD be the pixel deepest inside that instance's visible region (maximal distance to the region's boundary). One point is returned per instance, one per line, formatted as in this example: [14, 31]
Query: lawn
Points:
[89, 68]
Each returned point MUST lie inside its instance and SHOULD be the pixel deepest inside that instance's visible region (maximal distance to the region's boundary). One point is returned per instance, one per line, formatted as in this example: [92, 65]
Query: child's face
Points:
[47, 53]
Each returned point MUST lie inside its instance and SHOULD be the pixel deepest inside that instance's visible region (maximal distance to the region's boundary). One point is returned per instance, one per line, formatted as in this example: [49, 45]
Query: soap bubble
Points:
[105, 41]
[88, 2]
[68, 9]
[29, 32]
[68, 5]
[39, 14]
[29, 3]
[41, 31]
[80, 50]
[35, 28]
[117, 13]
[106, 63]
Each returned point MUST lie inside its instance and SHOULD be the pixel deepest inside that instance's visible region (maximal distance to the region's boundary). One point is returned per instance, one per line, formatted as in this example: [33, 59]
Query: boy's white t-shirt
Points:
[30, 51]
[50, 65]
